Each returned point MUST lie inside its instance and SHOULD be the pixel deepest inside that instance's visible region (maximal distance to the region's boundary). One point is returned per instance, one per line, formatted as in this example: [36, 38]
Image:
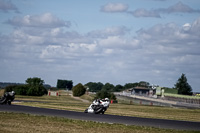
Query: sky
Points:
[115, 41]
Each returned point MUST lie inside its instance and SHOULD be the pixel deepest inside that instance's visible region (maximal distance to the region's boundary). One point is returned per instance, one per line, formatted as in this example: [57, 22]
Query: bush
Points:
[11, 88]
[78, 90]
[104, 94]
[36, 91]
[19, 89]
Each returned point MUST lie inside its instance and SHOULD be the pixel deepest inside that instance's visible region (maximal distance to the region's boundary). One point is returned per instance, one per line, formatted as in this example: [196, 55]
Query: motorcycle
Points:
[98, 106]
[7, 98]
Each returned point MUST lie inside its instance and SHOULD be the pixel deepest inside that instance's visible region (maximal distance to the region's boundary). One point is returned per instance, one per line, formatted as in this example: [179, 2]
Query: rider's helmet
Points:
[13, 92]
[106, 99]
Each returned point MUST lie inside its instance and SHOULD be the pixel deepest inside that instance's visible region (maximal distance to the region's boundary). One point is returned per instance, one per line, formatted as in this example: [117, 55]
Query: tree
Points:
[182, 86]
[78, 90]
[22, 89]
[35, 86]
[68, 84]
[130, 85]
[105, 94]
[94, 87]
[144, 84]
[108, 87]
[118, 88]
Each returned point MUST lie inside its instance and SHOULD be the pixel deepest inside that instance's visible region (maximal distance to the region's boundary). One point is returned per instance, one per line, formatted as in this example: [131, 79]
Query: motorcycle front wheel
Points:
[9, 102]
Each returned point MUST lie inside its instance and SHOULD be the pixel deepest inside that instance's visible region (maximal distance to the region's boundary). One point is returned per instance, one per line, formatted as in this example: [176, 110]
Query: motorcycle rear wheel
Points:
[86, 111]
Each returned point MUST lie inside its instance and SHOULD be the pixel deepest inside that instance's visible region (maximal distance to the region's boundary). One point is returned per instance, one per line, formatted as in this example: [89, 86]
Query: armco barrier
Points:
[184, 100]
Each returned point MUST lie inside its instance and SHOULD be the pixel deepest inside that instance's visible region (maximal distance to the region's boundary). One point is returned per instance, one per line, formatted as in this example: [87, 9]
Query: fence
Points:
[182, 98]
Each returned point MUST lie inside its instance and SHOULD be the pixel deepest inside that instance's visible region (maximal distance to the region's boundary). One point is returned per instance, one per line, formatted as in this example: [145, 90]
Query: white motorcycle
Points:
[98, 106]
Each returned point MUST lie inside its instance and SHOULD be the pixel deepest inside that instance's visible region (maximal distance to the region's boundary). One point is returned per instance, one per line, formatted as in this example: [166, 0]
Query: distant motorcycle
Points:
[7, 98]
[98, 106]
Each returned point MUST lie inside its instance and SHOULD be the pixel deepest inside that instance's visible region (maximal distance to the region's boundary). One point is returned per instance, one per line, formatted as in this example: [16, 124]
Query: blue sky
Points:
[112, 41]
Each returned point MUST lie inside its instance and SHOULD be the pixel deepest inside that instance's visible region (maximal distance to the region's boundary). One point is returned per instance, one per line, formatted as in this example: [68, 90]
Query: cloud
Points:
[178, 8]
[167, 51]
[157, 54]
[46, 20]
[110, 31]
[154, 13]
[6, 6]
[172, 40]
[117, 42]
[145, 13]
[114, 7]
[186, 26]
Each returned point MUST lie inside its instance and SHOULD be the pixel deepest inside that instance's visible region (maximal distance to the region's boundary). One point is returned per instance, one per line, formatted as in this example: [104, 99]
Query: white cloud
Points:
[114, 7]
[195, 26]
[118, 42]
[46, 20]
[110, 31]
[89, 47]
[186, 26]
[108, 51]
[156, 54]
[67, 51]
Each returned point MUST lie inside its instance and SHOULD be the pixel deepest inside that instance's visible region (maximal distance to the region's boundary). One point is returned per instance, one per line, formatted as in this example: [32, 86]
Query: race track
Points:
[159, 123]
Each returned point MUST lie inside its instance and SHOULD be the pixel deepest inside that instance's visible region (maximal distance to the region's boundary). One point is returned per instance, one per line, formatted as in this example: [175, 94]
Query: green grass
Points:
[155, 112]
[66, 102]
[24, 123]
[61, 102]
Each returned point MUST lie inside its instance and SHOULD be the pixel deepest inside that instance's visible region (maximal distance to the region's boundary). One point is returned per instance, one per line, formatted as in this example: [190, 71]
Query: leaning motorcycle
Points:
[98, 106]
[7, 98]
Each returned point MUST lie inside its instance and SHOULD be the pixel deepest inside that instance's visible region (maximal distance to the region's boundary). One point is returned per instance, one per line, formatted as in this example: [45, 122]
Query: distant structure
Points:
[152, 91]
[53, 93]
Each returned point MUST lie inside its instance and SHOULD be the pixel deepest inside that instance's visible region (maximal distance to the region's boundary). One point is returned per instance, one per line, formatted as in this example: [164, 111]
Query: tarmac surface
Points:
[127, 120]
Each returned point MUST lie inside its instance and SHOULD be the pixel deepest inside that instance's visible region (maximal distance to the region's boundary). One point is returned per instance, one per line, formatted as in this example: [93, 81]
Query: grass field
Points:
[66, 102]
[20, 123]
[24, 123]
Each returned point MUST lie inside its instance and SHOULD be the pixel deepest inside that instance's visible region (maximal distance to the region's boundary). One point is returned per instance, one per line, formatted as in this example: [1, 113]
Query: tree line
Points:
[36, 87]
[33, 87]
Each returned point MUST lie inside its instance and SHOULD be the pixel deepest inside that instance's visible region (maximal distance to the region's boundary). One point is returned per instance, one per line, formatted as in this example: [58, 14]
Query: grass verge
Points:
[23, 123]
[67, 102]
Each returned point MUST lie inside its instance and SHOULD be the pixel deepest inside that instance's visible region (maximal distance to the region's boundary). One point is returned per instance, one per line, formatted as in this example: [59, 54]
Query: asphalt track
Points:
[159, 123]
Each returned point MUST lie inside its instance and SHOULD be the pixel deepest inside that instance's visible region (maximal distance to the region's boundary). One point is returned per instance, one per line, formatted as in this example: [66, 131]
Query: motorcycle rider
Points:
[98, 106]
[97, 102]
[8, 97]
[106, 99]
